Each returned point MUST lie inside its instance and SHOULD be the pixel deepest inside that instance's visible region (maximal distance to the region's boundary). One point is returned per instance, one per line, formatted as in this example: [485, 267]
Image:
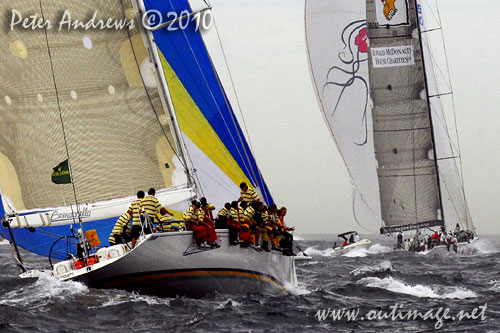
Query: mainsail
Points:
[96, 97]
[373, 70]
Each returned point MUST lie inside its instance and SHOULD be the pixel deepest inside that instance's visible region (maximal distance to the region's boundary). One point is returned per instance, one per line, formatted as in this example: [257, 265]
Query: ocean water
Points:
[370, 282]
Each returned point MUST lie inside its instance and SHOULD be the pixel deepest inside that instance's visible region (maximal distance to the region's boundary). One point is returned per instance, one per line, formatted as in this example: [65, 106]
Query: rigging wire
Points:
[203, 75]
[237, 103]
[62, 122]
[459, 168]
[149, 96]
[455, 120]
[251, 170]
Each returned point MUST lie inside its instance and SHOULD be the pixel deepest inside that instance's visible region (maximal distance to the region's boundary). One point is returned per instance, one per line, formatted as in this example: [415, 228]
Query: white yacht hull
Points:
[462, 248]
[170, 265]
[364, 243]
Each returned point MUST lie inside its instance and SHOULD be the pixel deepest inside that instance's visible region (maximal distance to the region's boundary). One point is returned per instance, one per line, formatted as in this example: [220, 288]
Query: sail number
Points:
[420, 16]
[154, 20]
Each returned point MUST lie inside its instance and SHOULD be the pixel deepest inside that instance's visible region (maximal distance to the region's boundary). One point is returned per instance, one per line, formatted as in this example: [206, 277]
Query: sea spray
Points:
[418, 290]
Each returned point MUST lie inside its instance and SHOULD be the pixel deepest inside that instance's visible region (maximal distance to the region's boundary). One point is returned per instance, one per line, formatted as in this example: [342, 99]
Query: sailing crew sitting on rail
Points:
[152, 207]
[167, 223]
[191, 217]
[249, 220]
[248, 194]
[275, 224]
[267, 230]
[457, 229]
[207, 218]
[235, 219]
[286, 237]
[137, 217]
[222, 221]
[260, 219]
[207, 207]
[120, 233]
[238, 220]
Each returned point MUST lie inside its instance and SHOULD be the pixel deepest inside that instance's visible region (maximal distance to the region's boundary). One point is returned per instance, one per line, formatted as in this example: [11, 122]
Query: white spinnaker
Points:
[340, 73]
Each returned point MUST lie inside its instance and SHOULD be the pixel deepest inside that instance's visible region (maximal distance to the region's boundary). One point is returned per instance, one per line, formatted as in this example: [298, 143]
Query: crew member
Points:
[248, 194]
[152, 208]
[137, 217]
[223, 217]
[119, 234]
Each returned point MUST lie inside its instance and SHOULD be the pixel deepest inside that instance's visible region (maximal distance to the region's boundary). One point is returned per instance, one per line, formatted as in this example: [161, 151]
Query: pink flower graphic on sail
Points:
[360, 41]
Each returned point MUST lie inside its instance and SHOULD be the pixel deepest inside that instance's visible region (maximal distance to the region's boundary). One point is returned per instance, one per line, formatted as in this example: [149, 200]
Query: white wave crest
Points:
[362, 252]
[133, 297]
[484, 246]
[313, 251]
[46, 288]
[382, 267]
[495, 285]
[418, 290]
[300, 289]
[230, 303]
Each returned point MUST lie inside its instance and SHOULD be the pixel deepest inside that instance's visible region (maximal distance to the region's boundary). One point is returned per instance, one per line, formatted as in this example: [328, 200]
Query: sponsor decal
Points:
[392, 12]
[392, 56]
[59, 216]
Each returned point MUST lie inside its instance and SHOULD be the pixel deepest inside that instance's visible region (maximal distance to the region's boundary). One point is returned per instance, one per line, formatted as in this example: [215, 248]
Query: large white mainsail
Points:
[122, 110]
[373, 70]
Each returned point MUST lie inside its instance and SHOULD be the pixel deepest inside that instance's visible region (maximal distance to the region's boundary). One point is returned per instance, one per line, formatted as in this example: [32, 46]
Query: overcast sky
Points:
[264, 41]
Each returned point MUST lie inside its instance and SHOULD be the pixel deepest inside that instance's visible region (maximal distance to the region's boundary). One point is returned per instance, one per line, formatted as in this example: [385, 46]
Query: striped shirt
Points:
[151, 206]
[265, 217]
[234, 214]
[207, 211]
[191, 214]
[119, 225]
[249, 213]
[223, 213]
[250, 195]
[136, 209]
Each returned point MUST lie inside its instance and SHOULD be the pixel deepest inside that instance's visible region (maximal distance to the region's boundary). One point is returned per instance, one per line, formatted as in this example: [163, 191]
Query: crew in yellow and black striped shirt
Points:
[248, 194]
[192, 214]
[152, 206]
[249, 219]
[137, 217]
[117, 236]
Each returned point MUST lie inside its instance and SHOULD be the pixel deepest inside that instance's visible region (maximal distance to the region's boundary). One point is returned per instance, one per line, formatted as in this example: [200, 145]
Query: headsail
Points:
[216, 145]
[94, 97]
[375, 82]
[336, 40]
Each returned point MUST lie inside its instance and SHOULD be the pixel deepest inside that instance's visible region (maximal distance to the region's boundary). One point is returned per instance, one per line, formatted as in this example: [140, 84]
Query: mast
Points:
[417, 14]
[164, 91]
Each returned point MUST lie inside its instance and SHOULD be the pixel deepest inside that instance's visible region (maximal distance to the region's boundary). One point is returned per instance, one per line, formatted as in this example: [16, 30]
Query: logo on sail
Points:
[392, 12]
[389, 9]
[70, 215]
[347, 76]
